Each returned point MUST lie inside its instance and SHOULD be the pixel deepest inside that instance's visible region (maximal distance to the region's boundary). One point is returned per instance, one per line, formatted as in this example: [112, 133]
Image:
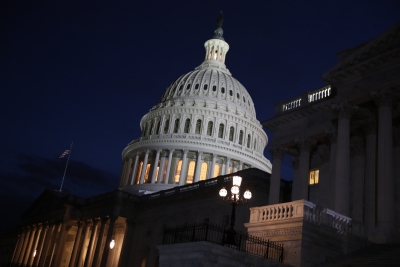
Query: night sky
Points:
[88, 71]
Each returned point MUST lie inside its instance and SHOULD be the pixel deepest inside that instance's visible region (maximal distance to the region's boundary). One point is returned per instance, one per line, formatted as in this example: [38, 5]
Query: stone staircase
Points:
[370, 256]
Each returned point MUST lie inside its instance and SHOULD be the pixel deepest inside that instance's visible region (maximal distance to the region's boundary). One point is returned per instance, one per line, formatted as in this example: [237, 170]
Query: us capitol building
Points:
[343, 139]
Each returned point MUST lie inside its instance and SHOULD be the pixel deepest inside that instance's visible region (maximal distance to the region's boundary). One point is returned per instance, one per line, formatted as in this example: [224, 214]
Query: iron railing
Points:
[226, 237]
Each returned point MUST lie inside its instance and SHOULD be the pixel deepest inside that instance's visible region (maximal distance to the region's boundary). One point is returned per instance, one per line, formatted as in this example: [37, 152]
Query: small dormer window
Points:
[223, 90]
[181, 87]
[230, 93]
[214, 88]
[237, 95]
[244, 100]
[205, 86]
[196, 86]
[188, 87]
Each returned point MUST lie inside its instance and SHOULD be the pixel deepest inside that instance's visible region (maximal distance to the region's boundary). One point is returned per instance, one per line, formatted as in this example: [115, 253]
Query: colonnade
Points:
[358, 182]
[176, 167]
[45, 244]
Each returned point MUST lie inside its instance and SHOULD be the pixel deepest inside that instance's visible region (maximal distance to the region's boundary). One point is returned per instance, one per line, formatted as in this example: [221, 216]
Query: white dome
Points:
[205, 125]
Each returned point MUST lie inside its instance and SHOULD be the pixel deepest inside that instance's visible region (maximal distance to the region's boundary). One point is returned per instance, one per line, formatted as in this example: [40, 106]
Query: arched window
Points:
[166, 126]
[209, 128]
[217, 169]
[214, 88]
[149, 128]
[231, 133]
[158, 127]
[196, 86]
[221, 130]
[190, 173]
[187, 126]
[178, 171]
[203, 172]
[205, 86]
[223, 90]
[176, 126]
[248, 140]
[230, 93]
[144, 130]
[241, 137]
[198, 127]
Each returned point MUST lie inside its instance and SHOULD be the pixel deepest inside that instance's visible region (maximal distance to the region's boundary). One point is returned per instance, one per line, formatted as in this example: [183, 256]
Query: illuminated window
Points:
[217, 168]
[146, 176]
[314, 177]
[190, 174]
[187, 126]
[198, 127]
[209, 128]
[241, 137]
[231, 133]
[178, 171]
[203, 173]
[166, 126]
[221, 130]
[139, 172]
[176, 126]
[165, 171]
[248, 140]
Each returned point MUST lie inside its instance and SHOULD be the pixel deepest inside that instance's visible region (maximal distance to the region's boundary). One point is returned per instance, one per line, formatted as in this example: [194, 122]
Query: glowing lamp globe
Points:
[223, 192]
[235, 190]
[112, 244]
[247, 194]
[237, 180]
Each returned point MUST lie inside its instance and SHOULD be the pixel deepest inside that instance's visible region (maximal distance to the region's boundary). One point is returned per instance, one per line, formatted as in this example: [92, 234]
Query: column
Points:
[77, 242]
[19, 246]
[106, 251]
[227, 162]
[24, 245]
[198, 166]
[126, 254]
[342, 205]
[240, 165]
[52, 247]
[97, 253]
[182, 177]
[385, 198]
[296, 179]
[277, 153]
[91, 243]
[214, 157]
[171, 152]
[155, 165]
[28, 246]
[305, 145]
[35, 240]
[369, 127]
[330, 195]
[60, 246]
[51, 232]
[143, 173]
[124, 168]
[128, 169]
[132, 179]
[40, 244]
[324, 180]
[357, 174]
[162, 167]
[81, 249]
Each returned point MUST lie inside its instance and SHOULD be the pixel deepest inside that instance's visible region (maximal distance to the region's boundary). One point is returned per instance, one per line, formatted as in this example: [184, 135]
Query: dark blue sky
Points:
[87, 71]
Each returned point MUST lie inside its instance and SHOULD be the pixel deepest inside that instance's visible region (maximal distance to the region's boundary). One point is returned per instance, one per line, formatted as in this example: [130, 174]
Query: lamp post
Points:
[234, 199]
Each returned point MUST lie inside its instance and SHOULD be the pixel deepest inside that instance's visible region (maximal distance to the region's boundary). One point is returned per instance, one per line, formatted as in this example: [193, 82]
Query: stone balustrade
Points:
[319, 94]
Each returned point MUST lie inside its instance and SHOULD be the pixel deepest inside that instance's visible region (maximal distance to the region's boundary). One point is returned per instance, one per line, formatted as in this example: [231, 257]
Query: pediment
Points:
[368, 55]
[47, 202]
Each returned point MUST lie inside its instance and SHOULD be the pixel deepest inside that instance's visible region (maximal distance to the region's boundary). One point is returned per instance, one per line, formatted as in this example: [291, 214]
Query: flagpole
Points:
[69, 154]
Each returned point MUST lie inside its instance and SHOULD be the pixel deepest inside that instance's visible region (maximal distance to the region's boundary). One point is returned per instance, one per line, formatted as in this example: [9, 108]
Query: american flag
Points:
[66, 152]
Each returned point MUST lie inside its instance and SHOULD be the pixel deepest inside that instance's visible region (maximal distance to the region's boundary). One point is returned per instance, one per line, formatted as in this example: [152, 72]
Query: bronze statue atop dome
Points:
[220, 19]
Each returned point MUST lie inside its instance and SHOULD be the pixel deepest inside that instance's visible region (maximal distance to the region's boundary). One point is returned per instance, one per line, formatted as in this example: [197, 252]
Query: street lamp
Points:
[234, 199]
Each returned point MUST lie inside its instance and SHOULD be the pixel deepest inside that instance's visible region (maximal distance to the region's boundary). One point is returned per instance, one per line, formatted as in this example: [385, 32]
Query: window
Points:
[144, 130]
[223, 90]
[230, 93]
[149, 128]
[217, 168]
[314, 177]
[205, 86]
[196, 86]
[203, 171]
[248, 140]
[214, 88]
[178, 171]
[209, 128]
[231, 133]
[221, 130]
[188, 87]
[187, 126]
[190, 174]
[166, 126]
[198, 127]
[244, 100]
[176, 126]
[180, 87]
[158, 127]
[241, 137]
[237, 95]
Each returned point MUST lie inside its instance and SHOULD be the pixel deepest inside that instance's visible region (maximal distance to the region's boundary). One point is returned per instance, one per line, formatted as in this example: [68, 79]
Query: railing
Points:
[221, 236]
[304, 99]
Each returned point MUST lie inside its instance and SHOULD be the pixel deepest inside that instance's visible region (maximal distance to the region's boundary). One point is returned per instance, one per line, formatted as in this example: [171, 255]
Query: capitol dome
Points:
[204, 126]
